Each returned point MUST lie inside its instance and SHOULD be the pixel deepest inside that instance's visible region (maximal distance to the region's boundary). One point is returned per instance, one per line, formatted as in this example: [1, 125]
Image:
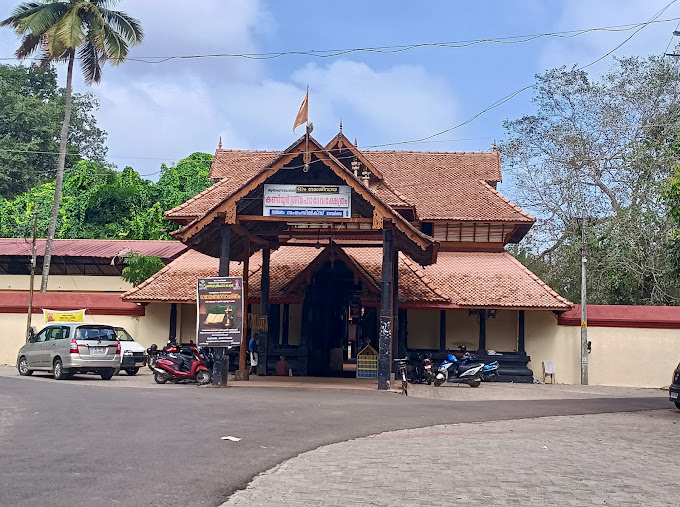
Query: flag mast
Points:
[303, 118]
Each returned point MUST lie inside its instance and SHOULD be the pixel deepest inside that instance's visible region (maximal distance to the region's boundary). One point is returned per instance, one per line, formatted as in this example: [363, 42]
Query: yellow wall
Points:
[152, 328]
[462, 329]
[66, 283]
[423, 329]
[546, 341]
[631, 357]
[186, 322]
[501, 331]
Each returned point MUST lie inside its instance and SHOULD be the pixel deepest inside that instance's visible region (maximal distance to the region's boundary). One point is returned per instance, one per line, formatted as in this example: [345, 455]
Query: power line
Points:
[333, 53]
[514, 94]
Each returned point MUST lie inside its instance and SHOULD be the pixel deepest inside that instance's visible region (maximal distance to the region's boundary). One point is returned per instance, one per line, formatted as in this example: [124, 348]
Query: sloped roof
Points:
[100, 248]
[458, 279]
[440, 185]
[491, 279]
[446, 164]
[440, 165]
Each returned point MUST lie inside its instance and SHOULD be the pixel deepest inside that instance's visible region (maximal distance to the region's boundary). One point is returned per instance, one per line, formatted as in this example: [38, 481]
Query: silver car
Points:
[65, 348]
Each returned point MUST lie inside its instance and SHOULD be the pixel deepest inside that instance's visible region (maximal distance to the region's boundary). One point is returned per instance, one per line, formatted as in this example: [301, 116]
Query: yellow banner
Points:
[64, 316]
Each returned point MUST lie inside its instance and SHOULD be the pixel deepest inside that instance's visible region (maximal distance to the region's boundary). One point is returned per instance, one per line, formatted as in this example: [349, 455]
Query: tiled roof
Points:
[441, 166]
[100, 248]
[233, 163]
[440, 185]
[491, 279]
[467, 279]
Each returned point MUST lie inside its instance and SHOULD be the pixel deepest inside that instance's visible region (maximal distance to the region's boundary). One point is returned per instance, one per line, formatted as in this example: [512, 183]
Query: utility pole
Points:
[34, 252]
[584, 310]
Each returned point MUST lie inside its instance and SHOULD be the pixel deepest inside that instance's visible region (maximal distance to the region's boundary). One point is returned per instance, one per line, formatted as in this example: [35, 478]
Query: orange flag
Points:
[303, 113]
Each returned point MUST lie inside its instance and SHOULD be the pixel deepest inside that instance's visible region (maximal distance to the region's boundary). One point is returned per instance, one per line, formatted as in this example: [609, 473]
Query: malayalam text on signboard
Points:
[332, 201]
[220, 311]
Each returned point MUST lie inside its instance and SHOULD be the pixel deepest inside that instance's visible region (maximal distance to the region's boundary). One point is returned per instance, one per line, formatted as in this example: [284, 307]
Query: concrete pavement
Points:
[98, 441]
[603, 459]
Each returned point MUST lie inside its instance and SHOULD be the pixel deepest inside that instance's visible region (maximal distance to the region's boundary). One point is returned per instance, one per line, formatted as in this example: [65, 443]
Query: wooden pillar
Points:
[263, 345]
[482, 332]
[520, 335]
[172, 336]
[402, 335]
[286, 324]
[385, 329]
[220, 369]
[225, 233]
[442, 331]
[242, 374]
[395, 310]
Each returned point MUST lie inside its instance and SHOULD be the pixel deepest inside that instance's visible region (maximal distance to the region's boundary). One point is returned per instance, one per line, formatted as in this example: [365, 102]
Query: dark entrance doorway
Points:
[325, 319]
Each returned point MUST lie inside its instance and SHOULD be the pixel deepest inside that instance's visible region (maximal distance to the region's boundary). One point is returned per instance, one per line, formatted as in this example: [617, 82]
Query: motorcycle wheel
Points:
[490, 378]
[438, 382]
[203, 377]
[475, 383]
[429, 381]
[160, 378]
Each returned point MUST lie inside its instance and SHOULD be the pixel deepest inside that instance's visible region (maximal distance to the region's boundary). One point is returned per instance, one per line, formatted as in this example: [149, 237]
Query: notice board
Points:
[220, 311]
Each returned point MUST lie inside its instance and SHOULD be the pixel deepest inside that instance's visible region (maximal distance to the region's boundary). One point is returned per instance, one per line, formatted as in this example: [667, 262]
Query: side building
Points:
[85, 274]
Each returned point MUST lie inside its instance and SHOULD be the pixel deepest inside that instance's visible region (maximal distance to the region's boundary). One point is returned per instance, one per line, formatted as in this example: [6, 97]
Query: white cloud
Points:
[584, 49]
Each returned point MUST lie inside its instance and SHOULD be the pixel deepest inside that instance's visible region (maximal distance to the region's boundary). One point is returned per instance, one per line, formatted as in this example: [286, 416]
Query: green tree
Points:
[600, 149]
[100, 203]
[139, 267]
[31, 105]
[60, 30]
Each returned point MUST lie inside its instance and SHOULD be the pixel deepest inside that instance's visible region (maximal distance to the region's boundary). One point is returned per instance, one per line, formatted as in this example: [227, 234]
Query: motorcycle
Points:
[428, 373]
[489, 371]
[153, 353]
[183, 365]
[452, 371]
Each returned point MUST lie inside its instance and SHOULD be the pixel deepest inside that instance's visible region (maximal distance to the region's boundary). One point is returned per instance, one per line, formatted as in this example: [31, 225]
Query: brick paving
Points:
[606, 459]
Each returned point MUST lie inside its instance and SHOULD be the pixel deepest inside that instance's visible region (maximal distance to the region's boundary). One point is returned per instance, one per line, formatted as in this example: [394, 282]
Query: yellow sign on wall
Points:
[64, 316]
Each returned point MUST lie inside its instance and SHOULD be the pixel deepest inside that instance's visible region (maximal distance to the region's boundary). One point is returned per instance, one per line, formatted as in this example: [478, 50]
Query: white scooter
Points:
[452, 371]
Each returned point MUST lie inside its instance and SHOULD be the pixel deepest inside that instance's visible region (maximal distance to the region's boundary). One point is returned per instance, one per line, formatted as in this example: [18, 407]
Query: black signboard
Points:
[220, 311]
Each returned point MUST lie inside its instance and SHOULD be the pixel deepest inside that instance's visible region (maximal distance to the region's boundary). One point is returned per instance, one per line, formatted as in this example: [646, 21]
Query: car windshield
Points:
[96, 333]
[123, 335]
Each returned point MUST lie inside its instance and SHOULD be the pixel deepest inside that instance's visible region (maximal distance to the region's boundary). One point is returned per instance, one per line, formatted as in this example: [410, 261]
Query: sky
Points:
[161, 112]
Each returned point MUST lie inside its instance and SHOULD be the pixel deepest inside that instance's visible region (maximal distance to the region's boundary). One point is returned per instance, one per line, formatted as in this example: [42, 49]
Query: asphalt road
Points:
[66, 443]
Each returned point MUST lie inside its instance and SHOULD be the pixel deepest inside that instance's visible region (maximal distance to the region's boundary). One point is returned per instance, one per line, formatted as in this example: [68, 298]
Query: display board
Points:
[333, 201]
[220, 311]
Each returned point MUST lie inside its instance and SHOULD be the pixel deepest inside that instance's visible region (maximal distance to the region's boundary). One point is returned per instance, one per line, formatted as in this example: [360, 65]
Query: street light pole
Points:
[584, 310]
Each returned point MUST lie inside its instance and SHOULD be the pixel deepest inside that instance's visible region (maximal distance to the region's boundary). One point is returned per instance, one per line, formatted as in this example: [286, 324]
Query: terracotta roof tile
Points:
[485, 279]
[468, 279]
[236, 163]
[441, 185]
[444, 166]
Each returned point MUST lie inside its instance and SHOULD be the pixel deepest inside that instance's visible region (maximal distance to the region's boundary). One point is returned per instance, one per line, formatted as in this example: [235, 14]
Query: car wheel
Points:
[22, 366]
[677, 405]
[58, 370]
[203, 377]
[131, 371]
[108, 374]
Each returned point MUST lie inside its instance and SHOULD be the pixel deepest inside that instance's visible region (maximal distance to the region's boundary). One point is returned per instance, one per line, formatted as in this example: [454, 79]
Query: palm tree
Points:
[63, 31]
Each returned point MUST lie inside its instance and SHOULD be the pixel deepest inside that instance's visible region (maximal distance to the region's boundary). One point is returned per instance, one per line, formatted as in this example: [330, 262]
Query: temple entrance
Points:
[327, 318]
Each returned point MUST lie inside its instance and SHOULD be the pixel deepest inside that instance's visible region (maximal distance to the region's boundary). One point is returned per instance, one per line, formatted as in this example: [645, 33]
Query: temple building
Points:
[409, 254]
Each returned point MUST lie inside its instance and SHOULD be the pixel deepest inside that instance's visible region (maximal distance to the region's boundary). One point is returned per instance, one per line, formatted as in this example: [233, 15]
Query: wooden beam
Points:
[304, 220]
[242, 231]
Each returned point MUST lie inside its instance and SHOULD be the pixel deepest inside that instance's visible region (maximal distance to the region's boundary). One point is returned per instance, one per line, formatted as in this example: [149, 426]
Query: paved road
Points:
[72, 442]
[603, 459]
